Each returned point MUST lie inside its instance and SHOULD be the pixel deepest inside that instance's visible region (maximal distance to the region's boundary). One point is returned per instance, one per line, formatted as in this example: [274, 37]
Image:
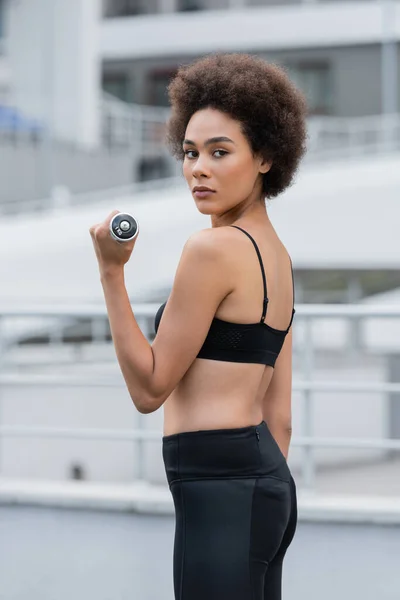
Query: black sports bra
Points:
[242, 342]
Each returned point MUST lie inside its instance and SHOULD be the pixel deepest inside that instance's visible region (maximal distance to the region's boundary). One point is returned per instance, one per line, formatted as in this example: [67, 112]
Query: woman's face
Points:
[227, 165]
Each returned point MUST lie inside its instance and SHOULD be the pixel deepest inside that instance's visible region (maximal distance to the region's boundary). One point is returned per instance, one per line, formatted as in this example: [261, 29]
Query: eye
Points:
[223, 152]
[186, 152]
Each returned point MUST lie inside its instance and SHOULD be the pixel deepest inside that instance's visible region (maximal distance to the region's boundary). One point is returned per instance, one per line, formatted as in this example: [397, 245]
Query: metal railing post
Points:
[393, 402]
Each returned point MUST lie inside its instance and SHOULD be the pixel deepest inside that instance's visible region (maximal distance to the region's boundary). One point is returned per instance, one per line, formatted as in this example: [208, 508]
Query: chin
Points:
[205, 210]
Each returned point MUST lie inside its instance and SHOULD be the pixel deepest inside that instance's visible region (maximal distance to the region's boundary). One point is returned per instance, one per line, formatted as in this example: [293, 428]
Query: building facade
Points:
[334, 51]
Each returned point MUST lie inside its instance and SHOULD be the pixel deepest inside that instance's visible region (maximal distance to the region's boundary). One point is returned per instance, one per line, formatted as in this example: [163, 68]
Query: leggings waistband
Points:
[223, 432]
[249, 451]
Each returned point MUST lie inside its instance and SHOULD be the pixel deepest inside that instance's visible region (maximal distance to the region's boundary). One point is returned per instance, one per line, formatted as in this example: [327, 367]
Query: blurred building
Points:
[83, 105]
[77, 75]
[331, 49]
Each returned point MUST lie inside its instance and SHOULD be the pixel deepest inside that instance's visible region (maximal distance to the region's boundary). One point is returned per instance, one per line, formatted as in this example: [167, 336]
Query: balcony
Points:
[125, 8]
[273, 27]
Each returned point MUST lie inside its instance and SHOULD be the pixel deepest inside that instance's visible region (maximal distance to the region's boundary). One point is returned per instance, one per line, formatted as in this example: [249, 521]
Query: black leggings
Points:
[235, 513]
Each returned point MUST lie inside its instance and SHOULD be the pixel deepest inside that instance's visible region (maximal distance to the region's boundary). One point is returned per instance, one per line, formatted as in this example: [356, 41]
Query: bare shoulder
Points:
[210, 236]
[212, 242]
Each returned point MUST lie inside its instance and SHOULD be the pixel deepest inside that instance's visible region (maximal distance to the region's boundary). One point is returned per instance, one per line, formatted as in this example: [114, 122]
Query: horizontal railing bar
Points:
[103, 434]
[66, 381]
[347, 310]
[381, 443]
[315, 386]
[137, 434]
[347, 386]
[145, 309]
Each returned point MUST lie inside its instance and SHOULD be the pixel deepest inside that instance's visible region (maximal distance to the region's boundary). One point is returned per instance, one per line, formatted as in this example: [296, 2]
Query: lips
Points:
[202, 188]
[203, 193]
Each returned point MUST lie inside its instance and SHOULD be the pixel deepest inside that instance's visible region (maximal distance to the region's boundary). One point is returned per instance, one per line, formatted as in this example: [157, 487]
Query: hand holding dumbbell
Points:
[120, 227]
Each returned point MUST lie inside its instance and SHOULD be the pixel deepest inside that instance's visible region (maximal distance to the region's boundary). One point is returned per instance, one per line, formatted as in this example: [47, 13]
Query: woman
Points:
[221, 362]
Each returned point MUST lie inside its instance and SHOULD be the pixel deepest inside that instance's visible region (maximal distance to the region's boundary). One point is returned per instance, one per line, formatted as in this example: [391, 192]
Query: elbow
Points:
[150, 398]
[285, 427]
[288, 431]
[143, 406]
[148, 404]
[144, 409]
[283, 423]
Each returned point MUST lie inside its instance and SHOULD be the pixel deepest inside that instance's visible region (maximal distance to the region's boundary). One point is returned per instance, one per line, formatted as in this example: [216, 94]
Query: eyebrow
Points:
[212, 140]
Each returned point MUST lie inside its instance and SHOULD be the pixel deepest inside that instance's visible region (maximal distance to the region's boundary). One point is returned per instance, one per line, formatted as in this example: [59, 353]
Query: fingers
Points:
[111, 215]
[92, 230]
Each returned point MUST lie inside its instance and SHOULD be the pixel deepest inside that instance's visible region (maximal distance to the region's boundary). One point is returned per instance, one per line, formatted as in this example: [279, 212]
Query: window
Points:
[118, 85]
[315, 81]
[125, 8]
[188, 5]
[157, 86]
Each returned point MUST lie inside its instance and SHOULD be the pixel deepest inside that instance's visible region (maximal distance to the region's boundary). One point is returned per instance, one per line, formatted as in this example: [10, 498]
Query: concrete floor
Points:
[59, 554]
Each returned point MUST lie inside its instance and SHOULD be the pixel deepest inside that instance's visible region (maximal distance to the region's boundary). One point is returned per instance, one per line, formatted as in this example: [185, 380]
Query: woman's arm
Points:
[203, 279]
[277, 402]
[134, 353]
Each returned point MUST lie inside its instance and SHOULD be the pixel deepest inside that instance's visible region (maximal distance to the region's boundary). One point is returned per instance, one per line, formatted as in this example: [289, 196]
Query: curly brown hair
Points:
[271, 110]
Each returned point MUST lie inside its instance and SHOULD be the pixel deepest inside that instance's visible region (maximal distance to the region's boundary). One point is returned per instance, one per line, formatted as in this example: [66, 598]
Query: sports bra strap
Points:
[293, 310]
[291, 266]
[265, 301]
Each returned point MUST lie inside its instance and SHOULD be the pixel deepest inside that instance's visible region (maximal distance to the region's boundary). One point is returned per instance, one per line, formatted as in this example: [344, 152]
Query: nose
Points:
[200, 167]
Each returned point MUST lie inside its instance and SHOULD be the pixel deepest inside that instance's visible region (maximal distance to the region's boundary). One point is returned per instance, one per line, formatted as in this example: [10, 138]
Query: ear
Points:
[265, 165]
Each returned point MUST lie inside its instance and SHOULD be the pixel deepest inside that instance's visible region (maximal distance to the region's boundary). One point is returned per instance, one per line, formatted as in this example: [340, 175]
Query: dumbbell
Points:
[124, 227]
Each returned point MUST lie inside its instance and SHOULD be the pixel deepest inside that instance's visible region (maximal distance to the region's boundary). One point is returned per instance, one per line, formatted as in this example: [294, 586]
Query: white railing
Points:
[329, 136]
[305, 315]
[336, 137]
[143, 127]
[125, 124]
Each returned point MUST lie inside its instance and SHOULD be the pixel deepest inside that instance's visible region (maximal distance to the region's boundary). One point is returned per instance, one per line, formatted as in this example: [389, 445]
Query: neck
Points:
[252, 212]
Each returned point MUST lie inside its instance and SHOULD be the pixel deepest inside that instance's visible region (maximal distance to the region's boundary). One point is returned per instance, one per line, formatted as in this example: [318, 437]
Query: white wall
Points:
[52, 48]
[316, 25]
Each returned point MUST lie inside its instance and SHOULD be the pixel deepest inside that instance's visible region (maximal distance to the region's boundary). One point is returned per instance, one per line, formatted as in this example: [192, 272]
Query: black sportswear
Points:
[236, 513]
[242, 342]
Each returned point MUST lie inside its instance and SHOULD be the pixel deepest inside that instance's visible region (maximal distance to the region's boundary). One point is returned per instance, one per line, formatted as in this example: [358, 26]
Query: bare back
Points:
[220, 394]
